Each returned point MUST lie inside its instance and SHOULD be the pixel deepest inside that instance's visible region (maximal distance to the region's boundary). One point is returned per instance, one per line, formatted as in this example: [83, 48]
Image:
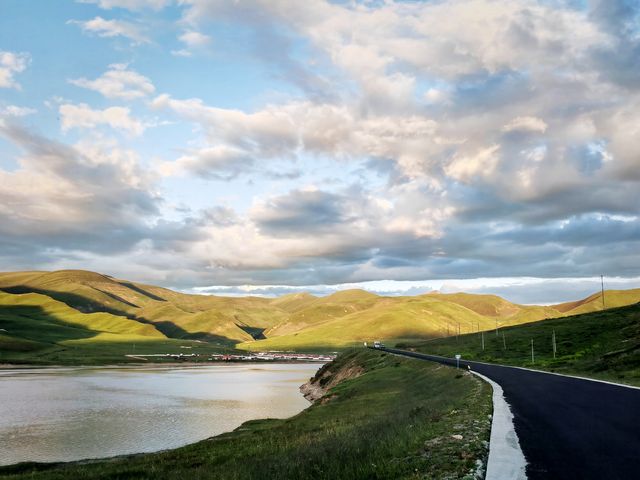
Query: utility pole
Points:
[553, 341]
[482, 336]
[533, 358]
[602, 287]
[496, 327]
[504, 341]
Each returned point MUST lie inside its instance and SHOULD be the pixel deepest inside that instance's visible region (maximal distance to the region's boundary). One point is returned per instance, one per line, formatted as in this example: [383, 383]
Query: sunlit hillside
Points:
[41, 309]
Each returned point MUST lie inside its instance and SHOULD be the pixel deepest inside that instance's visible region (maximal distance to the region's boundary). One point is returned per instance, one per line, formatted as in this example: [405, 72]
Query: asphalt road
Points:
[568, 428]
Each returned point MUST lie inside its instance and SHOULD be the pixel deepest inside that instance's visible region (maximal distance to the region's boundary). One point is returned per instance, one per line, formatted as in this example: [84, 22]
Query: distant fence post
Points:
[533, 358]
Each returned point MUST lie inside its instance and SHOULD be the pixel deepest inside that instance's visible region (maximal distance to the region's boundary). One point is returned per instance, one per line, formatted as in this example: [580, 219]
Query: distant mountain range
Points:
[38, 309]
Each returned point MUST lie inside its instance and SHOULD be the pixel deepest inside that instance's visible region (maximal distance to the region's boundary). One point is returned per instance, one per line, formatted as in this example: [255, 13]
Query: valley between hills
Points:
[74, 316]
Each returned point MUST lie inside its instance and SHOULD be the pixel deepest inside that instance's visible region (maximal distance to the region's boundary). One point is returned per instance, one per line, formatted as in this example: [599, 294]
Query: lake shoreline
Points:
[385, 417]
[194, 402]
[23, 366]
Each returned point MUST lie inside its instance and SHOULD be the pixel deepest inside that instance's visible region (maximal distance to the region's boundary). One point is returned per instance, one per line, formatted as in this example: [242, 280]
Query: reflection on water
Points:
[74, 413]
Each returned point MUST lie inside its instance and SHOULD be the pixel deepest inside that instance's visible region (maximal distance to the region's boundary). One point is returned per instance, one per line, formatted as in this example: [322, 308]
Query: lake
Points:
[67, 414]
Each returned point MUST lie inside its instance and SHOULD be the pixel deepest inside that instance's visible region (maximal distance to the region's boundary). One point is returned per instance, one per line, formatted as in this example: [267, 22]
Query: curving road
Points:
[569, 428]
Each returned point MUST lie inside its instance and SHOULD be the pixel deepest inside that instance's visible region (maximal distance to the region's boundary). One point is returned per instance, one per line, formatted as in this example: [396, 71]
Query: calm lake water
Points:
[75, 413]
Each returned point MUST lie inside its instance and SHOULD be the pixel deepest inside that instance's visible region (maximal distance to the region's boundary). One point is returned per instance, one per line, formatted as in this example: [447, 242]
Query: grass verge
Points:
[106, 352]
[603, 345]
[398, 419]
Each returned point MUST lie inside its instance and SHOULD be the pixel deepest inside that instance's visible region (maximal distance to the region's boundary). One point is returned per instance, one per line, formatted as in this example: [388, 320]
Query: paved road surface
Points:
[568, 428]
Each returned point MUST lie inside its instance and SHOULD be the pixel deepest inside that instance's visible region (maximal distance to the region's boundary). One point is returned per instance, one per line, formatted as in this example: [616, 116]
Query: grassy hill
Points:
[602, 344]
[81, 308]
[349, 318]
[215, 319]
[35, 328]
[75, 316]
[309, 311]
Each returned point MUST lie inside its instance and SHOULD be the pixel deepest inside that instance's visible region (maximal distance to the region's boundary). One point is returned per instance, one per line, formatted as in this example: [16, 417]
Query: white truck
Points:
[378, 344]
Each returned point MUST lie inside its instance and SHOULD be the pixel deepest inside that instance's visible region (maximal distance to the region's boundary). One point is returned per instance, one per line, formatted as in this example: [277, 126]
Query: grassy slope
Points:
[402, 317]
[329, 325]
[603, 344]
[38, 329]
[293, 301]
[293, 322]
[613, 298]
[215, 319]
[394, 421]
[308, 311]
[46, 311]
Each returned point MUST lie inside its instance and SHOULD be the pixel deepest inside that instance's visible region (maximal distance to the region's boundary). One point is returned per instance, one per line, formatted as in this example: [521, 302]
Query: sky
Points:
[271, 146]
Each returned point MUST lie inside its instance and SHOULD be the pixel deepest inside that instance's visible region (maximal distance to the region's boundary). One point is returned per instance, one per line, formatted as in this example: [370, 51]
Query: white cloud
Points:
[129, 4]
[113, 28]
[282, 131]
[526, 124]
[221, 162]
[440, 139]
[193, 39]
[69, 197]
[183, 52]
[467, 167]
[118, 82]
[10, 64]
[435, 95]
[16, 111]
[83, 116]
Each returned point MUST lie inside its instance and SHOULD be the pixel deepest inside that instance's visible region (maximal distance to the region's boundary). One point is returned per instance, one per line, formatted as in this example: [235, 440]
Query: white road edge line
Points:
[506, 460]
[597, 380]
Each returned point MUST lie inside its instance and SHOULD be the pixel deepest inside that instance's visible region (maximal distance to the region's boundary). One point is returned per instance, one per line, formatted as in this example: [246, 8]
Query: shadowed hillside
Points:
[347, 318]
[115, 310]
[174, 314]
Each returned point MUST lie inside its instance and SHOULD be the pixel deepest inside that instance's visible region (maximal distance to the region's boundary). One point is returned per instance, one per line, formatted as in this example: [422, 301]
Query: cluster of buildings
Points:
[273, 356]
[248, 357]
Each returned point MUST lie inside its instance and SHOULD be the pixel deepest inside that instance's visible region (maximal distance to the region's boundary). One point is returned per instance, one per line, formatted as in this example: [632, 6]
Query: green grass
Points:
[298, 322]
[176, 315]
[106, 352]
[39, 330]
[603, 345]
[37, 317]
[396, 421]
[349, 318]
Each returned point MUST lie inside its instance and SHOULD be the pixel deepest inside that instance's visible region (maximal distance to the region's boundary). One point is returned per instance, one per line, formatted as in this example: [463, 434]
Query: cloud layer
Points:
[392, 141]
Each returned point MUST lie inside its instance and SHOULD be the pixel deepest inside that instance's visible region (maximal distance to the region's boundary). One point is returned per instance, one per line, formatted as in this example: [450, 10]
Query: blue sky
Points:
[273, 146]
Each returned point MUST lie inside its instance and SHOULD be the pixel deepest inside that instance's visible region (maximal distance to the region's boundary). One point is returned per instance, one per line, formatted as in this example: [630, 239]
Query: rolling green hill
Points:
[197, 317]
[75, 316]
[600, 344]
[329, 324]
[54, 311]
[35, 328]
